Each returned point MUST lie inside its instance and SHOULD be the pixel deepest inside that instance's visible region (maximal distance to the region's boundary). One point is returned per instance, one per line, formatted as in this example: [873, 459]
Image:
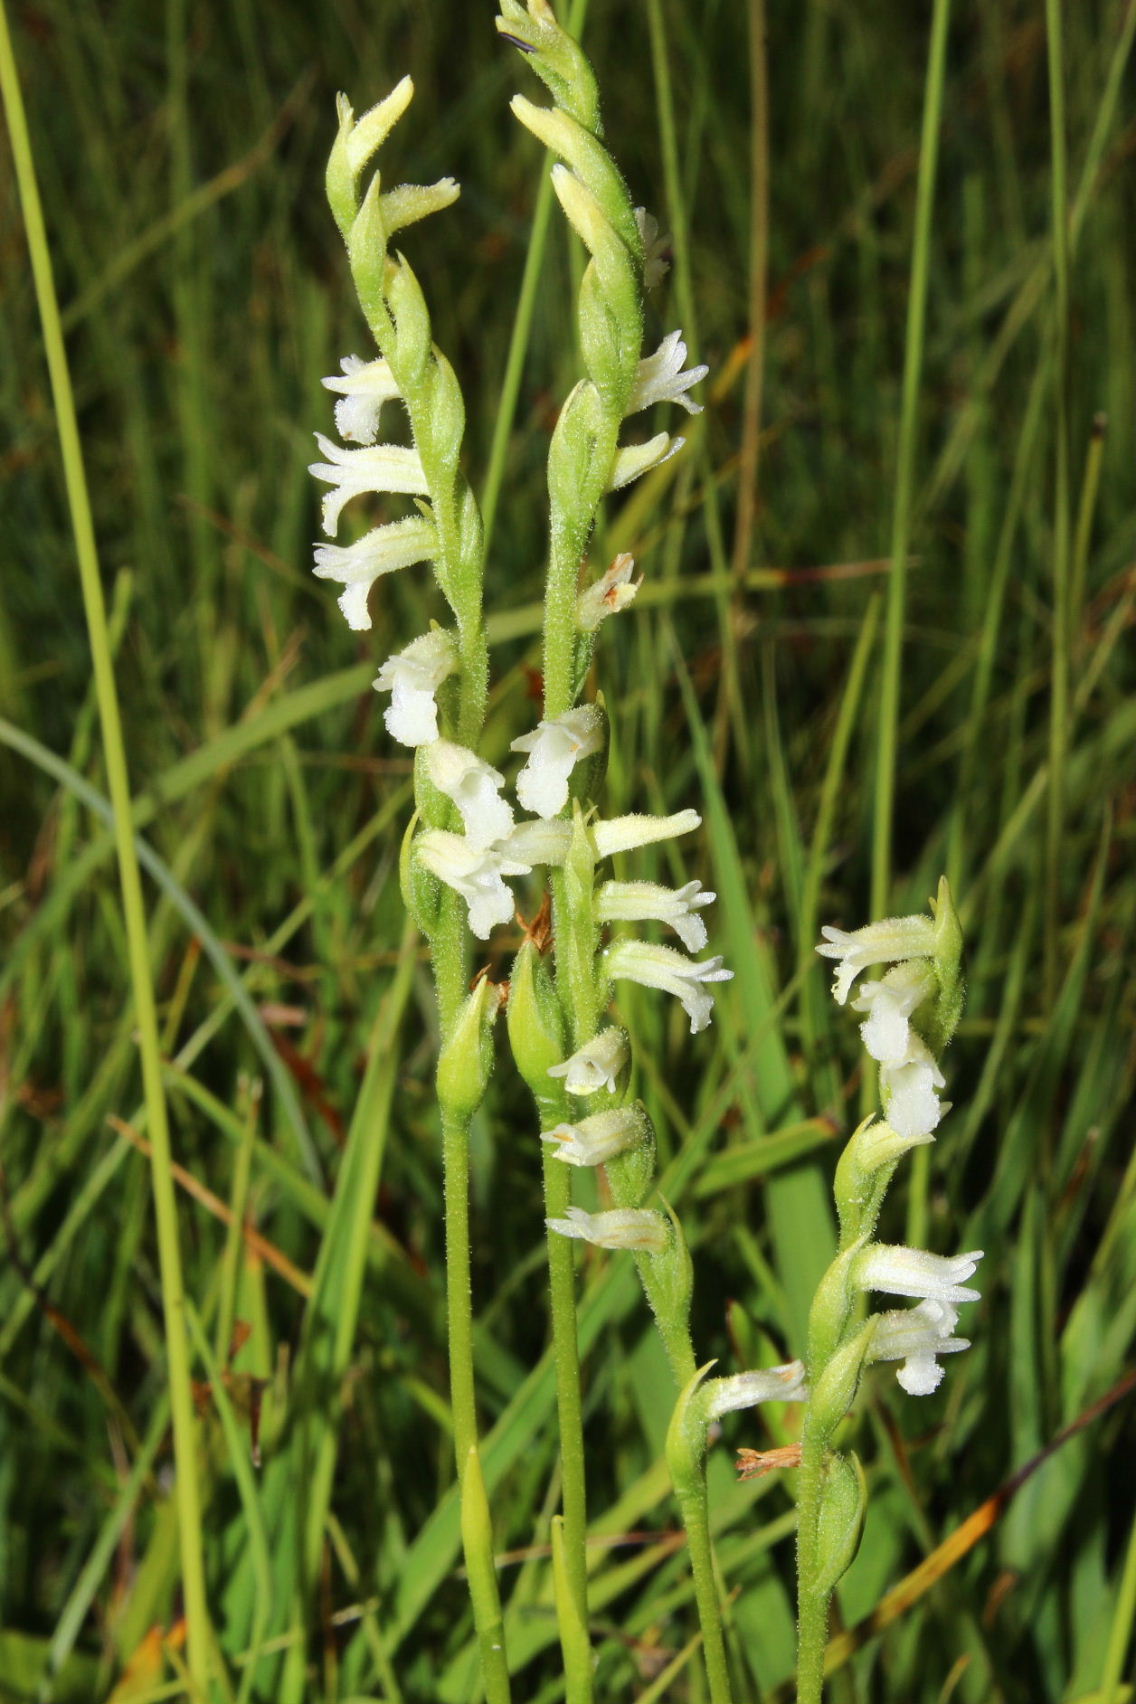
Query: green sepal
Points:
[410, 202]
[686, 1434]
[589, 160]
[834, 1392]
[367, 254]
[340, 181]
[421, 891]
[481, 1572]
[947, 965]
[610, 346]
[558, 61]
[536, 1030]
[411, 318]
[843, 1500]
[632, 1173]
[671, 1283]
[863, 1174]
[831, 1307]
[615, 284]
[442, 423]
[575, 482]
[465, 1063]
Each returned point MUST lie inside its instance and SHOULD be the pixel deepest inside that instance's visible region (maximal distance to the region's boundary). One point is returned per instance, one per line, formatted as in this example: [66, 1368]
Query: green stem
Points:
[905, 477]
[187, 1491]
[573, 1480]
[692, 1502]
[1059, 675]
[812, 1606]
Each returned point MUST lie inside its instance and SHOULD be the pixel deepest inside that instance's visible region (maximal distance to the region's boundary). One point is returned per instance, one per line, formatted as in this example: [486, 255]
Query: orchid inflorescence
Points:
[467, 845]
[909, 1015]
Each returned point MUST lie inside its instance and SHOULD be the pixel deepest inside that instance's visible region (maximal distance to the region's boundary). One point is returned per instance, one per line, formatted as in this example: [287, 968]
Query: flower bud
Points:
[421, 894]
[466, 1059]
[554, 56]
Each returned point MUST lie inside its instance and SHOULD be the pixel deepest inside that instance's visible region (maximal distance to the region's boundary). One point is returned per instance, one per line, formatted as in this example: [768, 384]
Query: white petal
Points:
[595, 1140]
[636, 459]
[363, 389]
[621, 1227]
[660, 378]
[474, 787]
[663, 967]
[913, 1272]
[538, 842]
[380, 551]
[412, 676]
[554, 748]
[746, 1390]
[626, 833]
[351, 473]
[597, 1065]
[639, 902]
[890, 941]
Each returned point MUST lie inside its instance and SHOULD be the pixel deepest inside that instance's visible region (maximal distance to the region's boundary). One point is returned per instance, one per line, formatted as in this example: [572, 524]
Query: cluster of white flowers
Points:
[364, 386]
[910, 1078]
[910, 1081]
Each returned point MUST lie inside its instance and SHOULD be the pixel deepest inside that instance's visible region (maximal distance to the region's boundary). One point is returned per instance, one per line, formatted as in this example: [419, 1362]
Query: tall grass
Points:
[180, 154]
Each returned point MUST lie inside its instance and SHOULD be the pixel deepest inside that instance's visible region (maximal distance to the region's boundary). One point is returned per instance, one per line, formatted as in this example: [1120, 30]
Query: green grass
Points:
[180, 155]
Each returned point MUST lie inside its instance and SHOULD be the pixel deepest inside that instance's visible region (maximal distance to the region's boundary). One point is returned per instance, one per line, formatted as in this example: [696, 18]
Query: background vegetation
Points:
[180, 152]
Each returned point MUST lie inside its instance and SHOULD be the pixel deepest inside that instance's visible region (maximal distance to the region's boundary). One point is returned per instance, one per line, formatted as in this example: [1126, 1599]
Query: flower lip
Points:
[363, 387]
